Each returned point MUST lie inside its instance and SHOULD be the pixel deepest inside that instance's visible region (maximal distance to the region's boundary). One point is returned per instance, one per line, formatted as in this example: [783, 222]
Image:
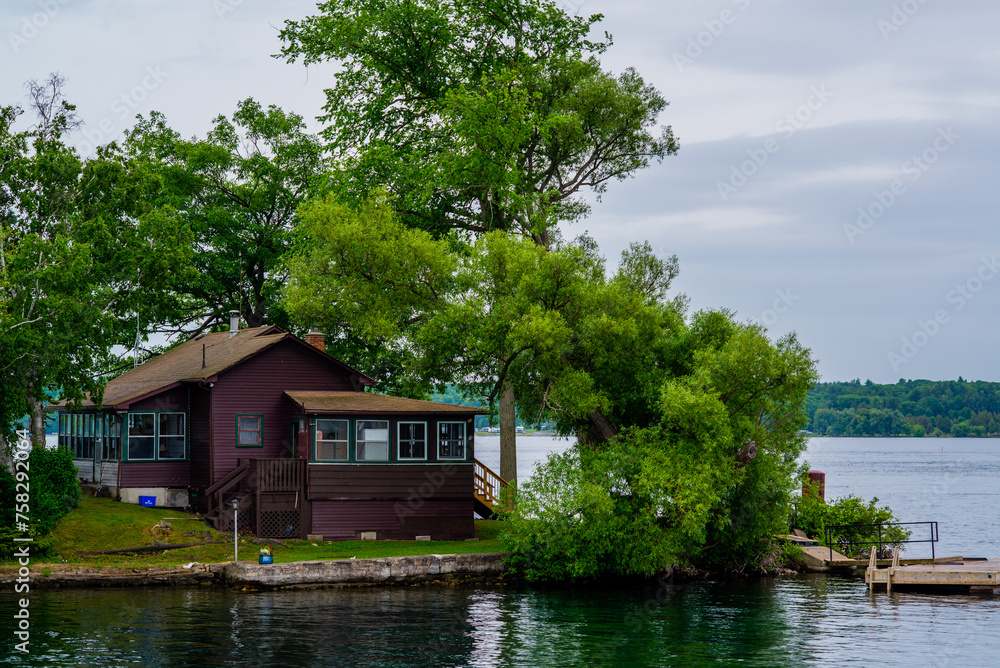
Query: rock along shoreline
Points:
[245, 575]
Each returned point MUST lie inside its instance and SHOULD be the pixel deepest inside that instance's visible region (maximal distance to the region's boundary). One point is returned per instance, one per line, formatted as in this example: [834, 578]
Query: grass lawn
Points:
[103, 524]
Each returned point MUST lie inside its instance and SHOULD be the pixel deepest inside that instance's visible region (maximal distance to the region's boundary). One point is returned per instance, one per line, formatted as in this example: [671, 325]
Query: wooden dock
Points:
[967, 575]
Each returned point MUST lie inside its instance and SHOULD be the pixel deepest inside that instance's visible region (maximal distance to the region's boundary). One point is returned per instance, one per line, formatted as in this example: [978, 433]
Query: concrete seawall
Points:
[249, 575]
[347, 572]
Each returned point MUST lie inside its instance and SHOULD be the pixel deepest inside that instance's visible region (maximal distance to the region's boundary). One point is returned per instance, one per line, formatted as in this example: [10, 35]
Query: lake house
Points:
[291, 434]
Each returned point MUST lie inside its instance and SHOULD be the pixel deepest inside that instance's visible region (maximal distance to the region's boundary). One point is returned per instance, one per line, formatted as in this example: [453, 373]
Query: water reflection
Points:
[809, 620]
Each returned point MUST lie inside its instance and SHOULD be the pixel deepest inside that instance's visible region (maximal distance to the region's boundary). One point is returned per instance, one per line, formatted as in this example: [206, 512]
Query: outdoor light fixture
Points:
[236, 533]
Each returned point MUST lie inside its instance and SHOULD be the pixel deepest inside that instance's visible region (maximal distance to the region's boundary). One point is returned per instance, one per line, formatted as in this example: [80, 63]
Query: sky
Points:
[833, 178]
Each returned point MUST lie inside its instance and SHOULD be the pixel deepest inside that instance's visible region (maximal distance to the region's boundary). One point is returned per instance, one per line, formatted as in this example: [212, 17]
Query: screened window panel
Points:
[451, 440]
[373, 440]
[141, 436]
[412, 440]
[171, 436]
[332, 440]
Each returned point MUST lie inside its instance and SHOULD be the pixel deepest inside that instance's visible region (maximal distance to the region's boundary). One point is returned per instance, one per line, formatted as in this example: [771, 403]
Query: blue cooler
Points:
[148, 501]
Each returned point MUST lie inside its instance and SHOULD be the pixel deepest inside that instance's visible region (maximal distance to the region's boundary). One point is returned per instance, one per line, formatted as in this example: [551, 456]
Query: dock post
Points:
[872, 567]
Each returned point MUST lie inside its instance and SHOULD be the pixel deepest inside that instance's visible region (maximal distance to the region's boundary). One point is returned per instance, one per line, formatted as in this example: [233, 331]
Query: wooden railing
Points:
[277, 475]
[487, 485]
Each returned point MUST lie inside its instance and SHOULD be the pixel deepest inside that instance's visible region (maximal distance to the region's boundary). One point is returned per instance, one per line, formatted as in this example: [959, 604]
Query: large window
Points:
[250, 431]
[412, 440]
[171, 436]
[141, 435]
[114, 431]
[373, 440]
[451, 440]
[332, 440]
[153, 436]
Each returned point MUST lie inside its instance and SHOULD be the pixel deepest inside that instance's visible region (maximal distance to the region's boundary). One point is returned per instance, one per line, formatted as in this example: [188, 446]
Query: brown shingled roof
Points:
[366, 402]
[183, 363]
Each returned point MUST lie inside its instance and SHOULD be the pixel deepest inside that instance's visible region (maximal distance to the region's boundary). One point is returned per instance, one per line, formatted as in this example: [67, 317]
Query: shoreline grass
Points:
[104, 524]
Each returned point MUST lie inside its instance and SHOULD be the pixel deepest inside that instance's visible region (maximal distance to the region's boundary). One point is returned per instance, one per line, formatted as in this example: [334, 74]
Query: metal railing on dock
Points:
[882, 539]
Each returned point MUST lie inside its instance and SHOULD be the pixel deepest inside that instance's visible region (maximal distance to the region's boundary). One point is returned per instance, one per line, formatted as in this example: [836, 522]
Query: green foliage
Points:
[52, 490]
[239, 189]
[84, 248]
[910, 407]
[813, 516]
[476, 116]
[681, 488]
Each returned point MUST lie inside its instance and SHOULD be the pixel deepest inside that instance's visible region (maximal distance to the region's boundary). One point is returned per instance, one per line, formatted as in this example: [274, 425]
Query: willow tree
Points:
[572, 342]
[477, 116]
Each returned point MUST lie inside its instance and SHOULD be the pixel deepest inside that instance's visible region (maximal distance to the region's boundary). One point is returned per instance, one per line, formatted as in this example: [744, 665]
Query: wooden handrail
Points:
[227, 480]
[487, 484]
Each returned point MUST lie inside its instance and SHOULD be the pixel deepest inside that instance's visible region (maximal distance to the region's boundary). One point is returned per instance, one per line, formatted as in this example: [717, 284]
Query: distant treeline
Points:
[908, 408]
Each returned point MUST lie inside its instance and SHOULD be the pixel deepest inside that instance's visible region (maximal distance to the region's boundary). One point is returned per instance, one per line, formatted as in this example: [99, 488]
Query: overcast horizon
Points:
[832, 178]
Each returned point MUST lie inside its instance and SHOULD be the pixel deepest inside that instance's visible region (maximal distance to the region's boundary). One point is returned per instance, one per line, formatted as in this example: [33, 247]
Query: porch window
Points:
[62, 430]
[451, 440]
[250, 428]
[114, 434]
[373, 440]
[171, 436]
[332, 440]
[141, 436]
[412, 440]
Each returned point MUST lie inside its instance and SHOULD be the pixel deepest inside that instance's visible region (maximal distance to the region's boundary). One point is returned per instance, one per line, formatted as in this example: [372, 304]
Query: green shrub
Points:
[813, 515]
[53, 490]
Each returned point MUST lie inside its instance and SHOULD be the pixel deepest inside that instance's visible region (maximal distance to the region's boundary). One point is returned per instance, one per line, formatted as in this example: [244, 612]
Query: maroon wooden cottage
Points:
[272, 421]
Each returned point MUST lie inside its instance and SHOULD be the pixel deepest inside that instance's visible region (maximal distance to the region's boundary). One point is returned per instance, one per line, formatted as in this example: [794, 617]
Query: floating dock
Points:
[966, 575]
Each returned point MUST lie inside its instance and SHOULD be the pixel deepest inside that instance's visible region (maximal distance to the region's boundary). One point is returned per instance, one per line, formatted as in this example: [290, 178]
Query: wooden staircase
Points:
[271, 495]
[486, 490]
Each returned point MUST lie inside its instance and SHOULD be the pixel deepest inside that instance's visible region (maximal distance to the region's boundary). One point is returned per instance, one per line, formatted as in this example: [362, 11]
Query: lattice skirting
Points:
[280, 524]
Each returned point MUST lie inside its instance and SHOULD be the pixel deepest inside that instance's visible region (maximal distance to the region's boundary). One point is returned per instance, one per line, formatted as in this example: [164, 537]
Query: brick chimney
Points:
[316, 339]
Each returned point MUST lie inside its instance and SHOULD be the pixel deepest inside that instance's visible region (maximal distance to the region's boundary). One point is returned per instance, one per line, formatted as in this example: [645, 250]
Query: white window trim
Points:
[358, 440]
[465, 439]
[183, 434]
[128, 442]
[399, 442]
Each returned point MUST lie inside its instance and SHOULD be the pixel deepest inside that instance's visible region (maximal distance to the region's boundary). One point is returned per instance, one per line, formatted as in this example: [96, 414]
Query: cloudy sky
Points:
[834, 176]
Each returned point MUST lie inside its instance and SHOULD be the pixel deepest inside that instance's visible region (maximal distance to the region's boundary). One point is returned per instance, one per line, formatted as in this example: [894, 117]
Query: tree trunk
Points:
[37, 423]
[508, 435]
[598, 431]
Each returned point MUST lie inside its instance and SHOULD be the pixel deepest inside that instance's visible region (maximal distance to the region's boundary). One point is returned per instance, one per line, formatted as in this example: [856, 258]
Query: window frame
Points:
[399, 441]
[127, 437]
[465, 441]
[316, 440]
[260, 430]
[358, 441]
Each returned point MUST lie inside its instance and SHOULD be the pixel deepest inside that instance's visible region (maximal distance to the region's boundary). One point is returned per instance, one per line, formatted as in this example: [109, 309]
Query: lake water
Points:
[803, 620]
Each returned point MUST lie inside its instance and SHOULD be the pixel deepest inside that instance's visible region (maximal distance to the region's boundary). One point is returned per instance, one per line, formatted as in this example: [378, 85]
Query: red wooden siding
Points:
[155, 474]
[256, 387]
[391, 481]
[439, 519]
[198, 443]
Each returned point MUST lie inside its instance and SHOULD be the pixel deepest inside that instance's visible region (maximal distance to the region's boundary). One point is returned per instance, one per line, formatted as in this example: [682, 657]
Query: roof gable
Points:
[200, 359]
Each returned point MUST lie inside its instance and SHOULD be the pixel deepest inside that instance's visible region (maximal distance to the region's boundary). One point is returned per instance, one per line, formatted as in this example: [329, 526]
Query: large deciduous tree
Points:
[239, 189]
[478, 116]
[82, 252]
[500, 313]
